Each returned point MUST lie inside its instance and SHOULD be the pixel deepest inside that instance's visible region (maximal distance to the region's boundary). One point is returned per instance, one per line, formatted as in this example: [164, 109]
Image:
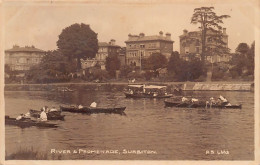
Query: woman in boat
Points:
[93, 105]
[43, 116]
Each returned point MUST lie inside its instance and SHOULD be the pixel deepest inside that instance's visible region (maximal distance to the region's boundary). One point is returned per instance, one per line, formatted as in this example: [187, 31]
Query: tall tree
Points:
[78, 42]
[209, 22]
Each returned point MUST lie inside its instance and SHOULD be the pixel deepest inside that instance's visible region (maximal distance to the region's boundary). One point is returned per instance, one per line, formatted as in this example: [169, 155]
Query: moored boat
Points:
[146, 91]
[90, 110]
[53, 115]
[199, 105]
[28, 123]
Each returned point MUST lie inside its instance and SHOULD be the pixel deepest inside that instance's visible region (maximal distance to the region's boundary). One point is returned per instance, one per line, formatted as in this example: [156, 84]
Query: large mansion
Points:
[141, 46]
[190, 45]
[22, 58]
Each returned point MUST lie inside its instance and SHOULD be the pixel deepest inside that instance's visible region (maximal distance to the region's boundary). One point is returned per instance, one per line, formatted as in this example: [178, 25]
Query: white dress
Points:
[43, 116]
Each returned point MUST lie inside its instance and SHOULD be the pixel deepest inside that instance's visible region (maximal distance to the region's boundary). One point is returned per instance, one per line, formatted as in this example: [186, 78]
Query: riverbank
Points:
[186, 86]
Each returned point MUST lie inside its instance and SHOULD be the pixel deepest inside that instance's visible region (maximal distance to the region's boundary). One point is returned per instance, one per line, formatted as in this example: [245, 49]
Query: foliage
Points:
[155, 61]
[135, 75]
[112, 64]
[218, 73]
[54, 67]
[78, 41]
[185, 70]
[243, 60]
[209, 23]
[242, 48]
[125, 70]
[99, 74]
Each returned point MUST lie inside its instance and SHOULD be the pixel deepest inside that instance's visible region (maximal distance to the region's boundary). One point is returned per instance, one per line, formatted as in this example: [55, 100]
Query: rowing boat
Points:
[28, 123]
[90, 110]
[54, 115]
[199, 105]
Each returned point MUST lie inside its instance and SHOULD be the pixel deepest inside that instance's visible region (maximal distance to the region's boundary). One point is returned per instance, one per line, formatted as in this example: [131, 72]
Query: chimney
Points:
[161, 33]
[141, 34]
[224, 30]
[168, 36]
[112, 42]
[185, 31]
[129, 36]
[16, 46]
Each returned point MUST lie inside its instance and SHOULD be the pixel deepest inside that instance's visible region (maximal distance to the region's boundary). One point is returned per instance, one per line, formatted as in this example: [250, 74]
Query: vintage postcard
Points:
[138, 82]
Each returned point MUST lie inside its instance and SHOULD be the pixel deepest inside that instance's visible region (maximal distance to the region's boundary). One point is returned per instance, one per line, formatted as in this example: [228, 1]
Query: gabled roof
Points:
[148, 38]
[24, 49]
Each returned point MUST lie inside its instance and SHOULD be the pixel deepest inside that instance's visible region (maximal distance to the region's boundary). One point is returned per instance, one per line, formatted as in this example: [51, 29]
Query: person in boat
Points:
[20, 117]
[45, 109]
[43, 116]
[184, 99]
[93, 105]
[80, 106]
[194, 100]
[155, 94]
[224, 101]
[53, 109]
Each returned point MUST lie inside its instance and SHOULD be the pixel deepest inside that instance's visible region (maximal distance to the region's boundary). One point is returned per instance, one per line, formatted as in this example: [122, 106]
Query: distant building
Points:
[141, 46]
[104, 50]
[22, 58]
[190, 45]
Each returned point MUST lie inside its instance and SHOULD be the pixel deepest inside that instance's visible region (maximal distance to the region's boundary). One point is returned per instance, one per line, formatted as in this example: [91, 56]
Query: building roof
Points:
[24, 49]
[104, 44]
[197, 33]
[136, 38]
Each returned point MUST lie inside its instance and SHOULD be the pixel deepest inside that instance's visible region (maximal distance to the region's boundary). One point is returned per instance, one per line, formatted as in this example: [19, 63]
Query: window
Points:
[187, 50]
[142, 46]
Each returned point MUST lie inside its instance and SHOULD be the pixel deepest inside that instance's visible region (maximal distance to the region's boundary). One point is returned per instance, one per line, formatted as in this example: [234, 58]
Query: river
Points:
[167, 133]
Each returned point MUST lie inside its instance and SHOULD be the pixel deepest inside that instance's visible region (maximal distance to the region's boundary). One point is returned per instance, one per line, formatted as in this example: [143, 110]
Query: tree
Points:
[155, 61]
[52, 68]
[78, 42]
[112, 64]
[185, 70]
[243, 60]
[242, 48]
[209, 22]
[174, 63]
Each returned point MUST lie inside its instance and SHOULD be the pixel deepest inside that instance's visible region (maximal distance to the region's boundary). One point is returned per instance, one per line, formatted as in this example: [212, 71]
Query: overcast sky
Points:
[39, 24]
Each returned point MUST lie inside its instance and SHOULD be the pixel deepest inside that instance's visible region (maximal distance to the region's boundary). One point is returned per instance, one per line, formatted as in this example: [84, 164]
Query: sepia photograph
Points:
[142, 80]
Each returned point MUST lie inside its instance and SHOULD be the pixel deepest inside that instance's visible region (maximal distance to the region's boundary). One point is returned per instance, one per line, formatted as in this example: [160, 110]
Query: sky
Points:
[40, 23]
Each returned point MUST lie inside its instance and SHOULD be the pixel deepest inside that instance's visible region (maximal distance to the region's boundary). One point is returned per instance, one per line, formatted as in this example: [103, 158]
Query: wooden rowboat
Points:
[54, 115]
[91, 110]
[28, 123]
[199, 105]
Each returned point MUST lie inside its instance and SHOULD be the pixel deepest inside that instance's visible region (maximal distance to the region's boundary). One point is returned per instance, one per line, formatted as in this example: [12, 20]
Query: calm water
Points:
[173, 133]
